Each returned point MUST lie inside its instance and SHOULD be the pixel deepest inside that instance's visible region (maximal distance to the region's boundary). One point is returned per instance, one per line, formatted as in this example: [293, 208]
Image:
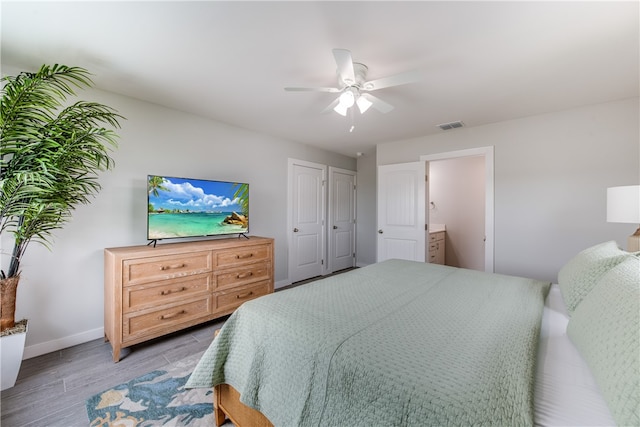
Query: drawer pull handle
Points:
[170, 291]
[248, 294]
[249, 255]
[243, 275]
[169, 267]
[170, 316]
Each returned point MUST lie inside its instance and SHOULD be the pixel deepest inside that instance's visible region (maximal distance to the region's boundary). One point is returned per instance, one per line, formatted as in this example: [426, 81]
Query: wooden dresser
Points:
[152, 291]
[436, 247]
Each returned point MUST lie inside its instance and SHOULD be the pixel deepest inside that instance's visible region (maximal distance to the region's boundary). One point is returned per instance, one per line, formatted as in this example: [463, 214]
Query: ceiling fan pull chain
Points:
[352, 117]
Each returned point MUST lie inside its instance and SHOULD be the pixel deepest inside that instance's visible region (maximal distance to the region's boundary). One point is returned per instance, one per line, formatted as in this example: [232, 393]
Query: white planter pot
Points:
[11, 350]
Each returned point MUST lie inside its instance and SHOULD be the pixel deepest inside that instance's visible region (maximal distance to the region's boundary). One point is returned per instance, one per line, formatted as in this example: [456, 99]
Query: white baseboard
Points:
[281, 283]
[59, 344]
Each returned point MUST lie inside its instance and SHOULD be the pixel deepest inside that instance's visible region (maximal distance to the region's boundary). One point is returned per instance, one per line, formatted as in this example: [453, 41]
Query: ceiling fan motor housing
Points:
[360, 74]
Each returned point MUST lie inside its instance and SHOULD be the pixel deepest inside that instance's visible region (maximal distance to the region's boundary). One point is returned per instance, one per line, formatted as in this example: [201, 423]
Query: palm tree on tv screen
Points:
[155, 184]
[242, 193]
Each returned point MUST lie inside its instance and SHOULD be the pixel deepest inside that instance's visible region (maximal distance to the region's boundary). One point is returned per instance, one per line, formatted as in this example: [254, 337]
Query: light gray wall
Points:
[551, 176]
[61, 292]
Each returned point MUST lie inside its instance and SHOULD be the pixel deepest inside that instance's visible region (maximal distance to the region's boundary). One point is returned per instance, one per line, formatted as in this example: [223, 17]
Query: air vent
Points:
[451, 125]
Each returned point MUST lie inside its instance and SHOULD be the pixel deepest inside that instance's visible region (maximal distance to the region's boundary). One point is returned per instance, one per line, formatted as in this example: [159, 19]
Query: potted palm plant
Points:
[50, 157]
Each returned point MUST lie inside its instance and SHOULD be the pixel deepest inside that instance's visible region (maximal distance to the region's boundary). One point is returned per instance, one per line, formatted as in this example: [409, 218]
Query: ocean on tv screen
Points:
[172, 225]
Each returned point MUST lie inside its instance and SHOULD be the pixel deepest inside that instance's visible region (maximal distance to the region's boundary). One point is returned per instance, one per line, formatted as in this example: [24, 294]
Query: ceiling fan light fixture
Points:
[363, 104]
[341, 109]
[345, 101]
[347, 98]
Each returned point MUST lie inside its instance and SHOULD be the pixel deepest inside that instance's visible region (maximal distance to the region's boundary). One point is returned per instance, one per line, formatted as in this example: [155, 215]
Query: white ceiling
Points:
[480, 62]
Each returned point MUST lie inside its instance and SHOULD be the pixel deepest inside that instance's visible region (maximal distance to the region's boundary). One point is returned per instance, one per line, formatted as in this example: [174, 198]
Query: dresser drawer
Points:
[143, 270]
[163, 321]
[242, 275]
[437, 258]
[139, 297]
[244, 255]
[438, 235]
[230, 299]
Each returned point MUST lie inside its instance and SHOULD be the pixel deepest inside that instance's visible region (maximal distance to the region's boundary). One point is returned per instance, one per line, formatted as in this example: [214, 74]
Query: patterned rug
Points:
[154, 399]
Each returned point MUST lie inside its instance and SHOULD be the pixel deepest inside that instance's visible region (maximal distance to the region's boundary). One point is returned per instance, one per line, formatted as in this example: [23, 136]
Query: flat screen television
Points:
[189, 207]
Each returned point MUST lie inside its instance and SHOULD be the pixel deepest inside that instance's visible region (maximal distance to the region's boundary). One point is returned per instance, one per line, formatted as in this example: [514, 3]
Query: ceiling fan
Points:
[353, 86]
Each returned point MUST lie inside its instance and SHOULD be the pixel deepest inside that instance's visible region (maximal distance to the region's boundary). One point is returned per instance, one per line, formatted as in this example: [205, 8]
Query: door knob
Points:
[295, 230]
[379, 231]
[335, 227]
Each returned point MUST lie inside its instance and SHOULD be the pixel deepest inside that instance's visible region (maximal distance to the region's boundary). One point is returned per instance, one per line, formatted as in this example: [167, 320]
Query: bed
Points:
[406, 343]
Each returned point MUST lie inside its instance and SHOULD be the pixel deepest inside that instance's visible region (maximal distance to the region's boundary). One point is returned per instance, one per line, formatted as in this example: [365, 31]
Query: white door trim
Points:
[488, 153]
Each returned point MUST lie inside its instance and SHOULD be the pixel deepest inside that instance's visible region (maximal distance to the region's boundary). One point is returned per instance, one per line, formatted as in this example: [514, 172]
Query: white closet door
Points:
[342, 219]
[307, 243]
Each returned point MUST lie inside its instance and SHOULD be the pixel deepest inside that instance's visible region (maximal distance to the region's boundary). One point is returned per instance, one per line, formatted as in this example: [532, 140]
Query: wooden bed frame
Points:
[226, 404]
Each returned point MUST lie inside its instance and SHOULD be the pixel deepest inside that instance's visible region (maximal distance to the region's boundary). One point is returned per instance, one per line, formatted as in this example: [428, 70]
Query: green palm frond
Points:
[50, 154]
[155, 185]
[242, 194]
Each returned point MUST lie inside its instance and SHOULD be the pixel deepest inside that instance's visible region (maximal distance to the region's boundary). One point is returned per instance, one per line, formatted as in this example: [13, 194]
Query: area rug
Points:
[154, 399]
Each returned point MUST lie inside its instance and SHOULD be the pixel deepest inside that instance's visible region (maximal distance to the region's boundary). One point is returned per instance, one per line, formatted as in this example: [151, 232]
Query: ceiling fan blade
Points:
[378, 103]
[345, 66]
[312, 89]
[395, 80]
[331, 106]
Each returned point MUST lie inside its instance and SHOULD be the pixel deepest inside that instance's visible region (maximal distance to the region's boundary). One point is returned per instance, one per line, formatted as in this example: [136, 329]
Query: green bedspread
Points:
[398, 343]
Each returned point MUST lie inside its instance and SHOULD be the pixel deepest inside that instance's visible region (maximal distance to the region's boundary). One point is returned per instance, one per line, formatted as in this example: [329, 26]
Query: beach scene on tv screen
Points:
[183, 207]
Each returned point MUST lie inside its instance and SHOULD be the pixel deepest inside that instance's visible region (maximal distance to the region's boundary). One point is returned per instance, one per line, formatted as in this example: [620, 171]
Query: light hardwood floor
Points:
[52, 389]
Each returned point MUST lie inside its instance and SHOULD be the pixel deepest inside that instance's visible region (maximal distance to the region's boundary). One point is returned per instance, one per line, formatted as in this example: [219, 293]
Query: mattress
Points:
[565, 393]
[395, 343]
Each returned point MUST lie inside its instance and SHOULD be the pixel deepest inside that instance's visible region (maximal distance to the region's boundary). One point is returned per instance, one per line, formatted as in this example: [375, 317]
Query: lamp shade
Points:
[623, 204]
